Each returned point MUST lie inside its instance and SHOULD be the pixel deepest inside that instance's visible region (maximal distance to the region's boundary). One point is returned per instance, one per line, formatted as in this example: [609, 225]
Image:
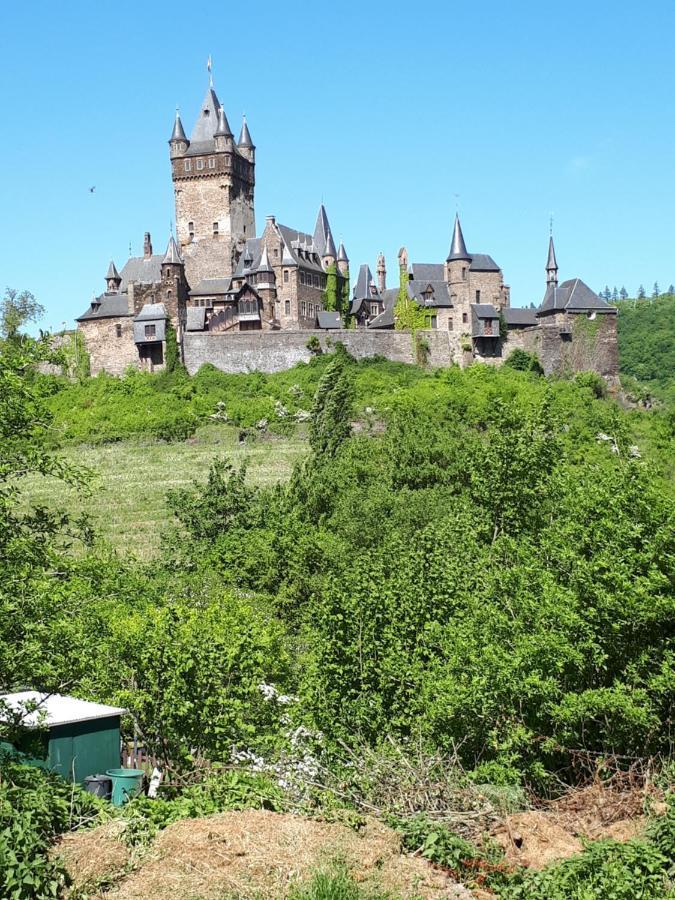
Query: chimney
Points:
[271, 220]
[147, 245]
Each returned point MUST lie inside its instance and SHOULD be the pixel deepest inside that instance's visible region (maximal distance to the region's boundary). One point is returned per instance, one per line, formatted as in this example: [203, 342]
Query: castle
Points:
[217, 279]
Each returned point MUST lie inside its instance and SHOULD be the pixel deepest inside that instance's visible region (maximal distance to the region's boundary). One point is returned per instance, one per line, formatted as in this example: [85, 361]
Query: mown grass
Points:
[126, 498]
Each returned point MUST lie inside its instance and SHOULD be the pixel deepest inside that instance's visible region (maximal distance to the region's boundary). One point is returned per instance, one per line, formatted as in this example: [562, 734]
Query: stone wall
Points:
[275, 351]
[566, 344]
[108, 352]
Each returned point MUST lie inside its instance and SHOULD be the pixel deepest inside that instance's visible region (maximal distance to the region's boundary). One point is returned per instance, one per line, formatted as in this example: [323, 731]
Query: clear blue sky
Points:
[385, 110]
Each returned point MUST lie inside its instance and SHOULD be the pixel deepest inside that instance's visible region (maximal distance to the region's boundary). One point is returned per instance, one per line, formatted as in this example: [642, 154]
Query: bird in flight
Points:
[92, 189]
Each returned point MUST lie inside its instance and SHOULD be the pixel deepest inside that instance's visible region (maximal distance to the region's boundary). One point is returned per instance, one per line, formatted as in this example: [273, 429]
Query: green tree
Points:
[331, 415]
[16, 311]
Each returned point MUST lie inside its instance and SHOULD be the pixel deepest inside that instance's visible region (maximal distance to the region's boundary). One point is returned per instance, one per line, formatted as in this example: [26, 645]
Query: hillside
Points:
[646, 330]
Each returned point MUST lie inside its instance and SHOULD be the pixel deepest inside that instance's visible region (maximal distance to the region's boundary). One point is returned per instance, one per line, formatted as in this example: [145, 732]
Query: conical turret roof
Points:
[551, 263]
[223, 125]
[321, 230]
[178, 133]
[172, 255]
[342, 253]
[245, 136]
[264, 265]
[458, 247]
[330, 246]
[112, 274]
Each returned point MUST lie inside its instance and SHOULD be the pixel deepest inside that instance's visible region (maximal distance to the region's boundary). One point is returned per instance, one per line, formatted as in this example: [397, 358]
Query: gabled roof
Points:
[386, 318]
[365, 287]
[207, 120]
[485, 310]
[145, 269]
[572, 296]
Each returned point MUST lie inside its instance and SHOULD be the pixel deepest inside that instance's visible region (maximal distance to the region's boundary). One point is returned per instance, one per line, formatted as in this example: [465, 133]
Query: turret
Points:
[178, 142]
[342, 260]
[551, 265]
[172, 256]
[381, 273]
[329, 254]
[113, 279]
[458, 259]
[245, 145]
[223, 135]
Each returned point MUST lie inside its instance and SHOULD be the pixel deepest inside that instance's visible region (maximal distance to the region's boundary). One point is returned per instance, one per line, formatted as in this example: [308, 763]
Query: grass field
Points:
[127, 495]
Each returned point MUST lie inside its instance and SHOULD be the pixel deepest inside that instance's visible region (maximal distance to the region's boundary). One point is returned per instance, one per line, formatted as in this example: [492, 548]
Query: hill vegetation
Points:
[466, 577]
[646, 331]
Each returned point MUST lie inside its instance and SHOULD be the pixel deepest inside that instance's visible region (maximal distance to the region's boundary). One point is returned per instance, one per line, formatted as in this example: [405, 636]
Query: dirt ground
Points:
[250, 854]
[538, 837]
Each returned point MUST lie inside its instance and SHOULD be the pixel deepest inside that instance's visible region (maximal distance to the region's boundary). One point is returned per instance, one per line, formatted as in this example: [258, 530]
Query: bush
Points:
[523, 361]
[596, 383]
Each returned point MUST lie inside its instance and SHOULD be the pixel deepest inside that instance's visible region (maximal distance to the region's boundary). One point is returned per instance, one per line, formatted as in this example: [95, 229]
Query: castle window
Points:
[118, 330]
[465, 318]
[303, 309]
[200, 163]
[373, 309]
[150, 331]
[434, 321]
[276, 253]
[463, 273]
[286, 275]
[477, 296]
[187, 165]
[316, 281]
[212, 163]
[302, 277]
[311, 310]
[215, 229]
[168, 294]
[287, 307]
[450, 324]
[191, 229]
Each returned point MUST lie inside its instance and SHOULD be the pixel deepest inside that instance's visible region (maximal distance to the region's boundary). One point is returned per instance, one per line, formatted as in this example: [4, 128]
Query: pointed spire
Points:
[112, 274]
[458, 247]
[330, 246]
[342, 253]
[321, 230]
[178, 133]
[207, 122]
[223, 125]
[551, 264]
[264, 265]
[172, 255]
[245, 136]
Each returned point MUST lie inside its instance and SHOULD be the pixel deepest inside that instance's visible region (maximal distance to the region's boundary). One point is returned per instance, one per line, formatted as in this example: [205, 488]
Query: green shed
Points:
[78, 738]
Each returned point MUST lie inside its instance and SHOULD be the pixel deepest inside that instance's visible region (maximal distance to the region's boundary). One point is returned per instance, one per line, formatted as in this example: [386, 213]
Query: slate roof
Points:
[107, 306]
[252, 251]
[146, 270]
[440, 295]
[520, 318]
[178, 133]
[112, 272]
[478, 262]
[207, 121]
[551, 262]
[196, 318]
[386, 318]
[223, 125]
[342, 253]
[458, 247]
[321, 230]
[245, 136]
[151, 312]
[481, 262]
[309, 260]
[329, 319]
[485, 310]
[573, 296]
[172, 255]
[208, 287]
[365, 287]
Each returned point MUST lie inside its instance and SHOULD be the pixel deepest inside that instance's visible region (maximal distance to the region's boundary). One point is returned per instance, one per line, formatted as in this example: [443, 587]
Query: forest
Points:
[463, 574]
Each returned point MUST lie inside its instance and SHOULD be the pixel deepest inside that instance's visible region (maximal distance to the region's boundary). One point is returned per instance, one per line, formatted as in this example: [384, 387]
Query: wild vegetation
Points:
[472, 566]
[646, 330]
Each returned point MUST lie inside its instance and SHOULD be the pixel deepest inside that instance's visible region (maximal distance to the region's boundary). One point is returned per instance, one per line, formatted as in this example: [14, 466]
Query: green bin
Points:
[126, 783]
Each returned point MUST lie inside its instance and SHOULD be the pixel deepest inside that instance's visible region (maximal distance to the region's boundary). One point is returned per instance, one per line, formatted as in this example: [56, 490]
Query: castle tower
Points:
[457, 268]
[174, 287]
[342, 260]
[381, 273]
[214, 184]
[245, 145]
[551, 265]
[329, 254]
[267, 288]
[113, 279]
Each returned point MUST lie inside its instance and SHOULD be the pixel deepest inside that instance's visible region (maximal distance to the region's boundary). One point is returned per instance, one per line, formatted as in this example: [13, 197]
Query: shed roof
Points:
[58, 709]
[329, 319]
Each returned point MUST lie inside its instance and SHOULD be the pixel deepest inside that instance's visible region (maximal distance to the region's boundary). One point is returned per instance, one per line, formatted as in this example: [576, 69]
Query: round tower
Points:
[329, 253]
[178, 142]
[342, 260]
[381, 273]
[245, 145]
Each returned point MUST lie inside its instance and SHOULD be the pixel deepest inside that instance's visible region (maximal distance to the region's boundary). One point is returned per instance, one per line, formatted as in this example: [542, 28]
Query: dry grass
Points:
[265, 855]
[127, 503]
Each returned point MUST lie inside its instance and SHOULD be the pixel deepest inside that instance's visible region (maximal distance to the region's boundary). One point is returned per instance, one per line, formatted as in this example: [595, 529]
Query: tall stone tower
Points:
[213, 180]
[457, 271]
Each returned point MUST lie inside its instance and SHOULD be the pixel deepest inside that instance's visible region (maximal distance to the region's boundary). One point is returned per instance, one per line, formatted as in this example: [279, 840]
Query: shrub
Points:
[524, 361]
[592, 380]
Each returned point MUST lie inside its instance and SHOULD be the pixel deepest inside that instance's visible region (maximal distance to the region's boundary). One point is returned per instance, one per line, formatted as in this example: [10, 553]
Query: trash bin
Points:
[126, 783]
[99, 786]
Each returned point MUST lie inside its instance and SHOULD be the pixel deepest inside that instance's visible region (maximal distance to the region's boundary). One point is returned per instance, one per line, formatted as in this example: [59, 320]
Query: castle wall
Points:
[108, 352]
[566, 344]
[275, 351]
